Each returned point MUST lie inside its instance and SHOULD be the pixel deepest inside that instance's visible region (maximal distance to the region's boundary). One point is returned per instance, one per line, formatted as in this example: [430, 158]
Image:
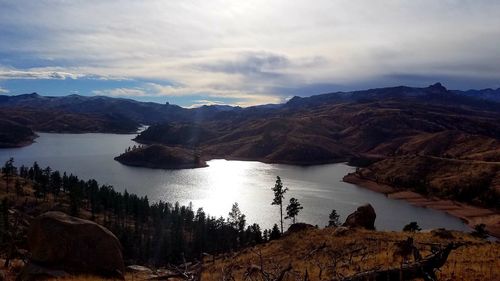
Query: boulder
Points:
[363, 217]
[74, 245]
[296, 227]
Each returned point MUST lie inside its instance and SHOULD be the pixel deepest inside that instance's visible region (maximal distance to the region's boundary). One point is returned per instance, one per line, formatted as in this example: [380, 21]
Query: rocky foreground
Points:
[68, 248]
[340, 253]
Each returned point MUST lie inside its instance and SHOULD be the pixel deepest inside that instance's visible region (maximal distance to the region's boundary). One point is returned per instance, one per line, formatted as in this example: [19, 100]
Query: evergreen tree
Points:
[293, 209]
[236, 219]
[36, 172]
[334, 219]
[265, 235]
[8, 171]
[38, 190]
[19, 188]
[480, 231]
[75, 198]
[275, 233]
[412, 227]
[4, 219]
[279, 195]
[56, 183]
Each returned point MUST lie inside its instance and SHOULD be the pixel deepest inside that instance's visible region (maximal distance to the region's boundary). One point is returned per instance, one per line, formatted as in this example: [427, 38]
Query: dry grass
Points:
[354, 252]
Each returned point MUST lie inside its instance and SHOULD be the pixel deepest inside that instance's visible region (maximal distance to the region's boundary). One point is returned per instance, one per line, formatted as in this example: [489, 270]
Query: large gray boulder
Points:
[59, 241]
[363, 217]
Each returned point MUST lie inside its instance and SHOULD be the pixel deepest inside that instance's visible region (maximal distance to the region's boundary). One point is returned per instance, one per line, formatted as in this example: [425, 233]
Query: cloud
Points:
[121, 92]
[251, 50]
[251, 63]
[37, 74]
[200, 103]
[240, 98]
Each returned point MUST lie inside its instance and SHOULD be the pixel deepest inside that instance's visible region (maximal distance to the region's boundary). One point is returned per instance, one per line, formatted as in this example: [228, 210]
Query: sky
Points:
[244, 52]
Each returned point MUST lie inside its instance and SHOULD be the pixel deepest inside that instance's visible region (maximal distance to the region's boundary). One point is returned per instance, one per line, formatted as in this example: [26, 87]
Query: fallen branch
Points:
[425, 268]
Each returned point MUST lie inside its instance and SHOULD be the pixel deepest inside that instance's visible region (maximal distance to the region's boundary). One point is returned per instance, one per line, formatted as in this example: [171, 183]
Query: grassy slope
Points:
[477, 260]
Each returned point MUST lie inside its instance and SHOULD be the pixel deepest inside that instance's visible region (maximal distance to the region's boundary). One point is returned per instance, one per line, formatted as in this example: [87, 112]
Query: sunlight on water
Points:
[215, 188]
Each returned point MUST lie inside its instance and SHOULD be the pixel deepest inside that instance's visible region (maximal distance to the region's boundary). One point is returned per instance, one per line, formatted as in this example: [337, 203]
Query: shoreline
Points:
[469, 214]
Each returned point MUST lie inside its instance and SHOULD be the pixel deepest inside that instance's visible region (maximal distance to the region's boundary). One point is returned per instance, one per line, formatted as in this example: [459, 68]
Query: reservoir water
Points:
[215, 188]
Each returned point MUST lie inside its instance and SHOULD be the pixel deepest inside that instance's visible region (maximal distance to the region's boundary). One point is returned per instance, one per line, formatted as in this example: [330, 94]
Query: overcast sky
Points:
[244, 52]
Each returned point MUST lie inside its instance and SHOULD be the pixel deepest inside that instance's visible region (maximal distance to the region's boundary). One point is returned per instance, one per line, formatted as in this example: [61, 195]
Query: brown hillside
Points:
[463, 180]
[330, 254]
[333, 133]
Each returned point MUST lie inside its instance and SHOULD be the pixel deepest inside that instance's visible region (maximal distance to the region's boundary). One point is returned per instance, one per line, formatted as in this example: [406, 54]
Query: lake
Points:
[216, 187]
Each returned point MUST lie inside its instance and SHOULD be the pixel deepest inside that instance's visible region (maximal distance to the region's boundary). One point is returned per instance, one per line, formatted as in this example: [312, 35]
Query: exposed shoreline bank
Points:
[470, 215]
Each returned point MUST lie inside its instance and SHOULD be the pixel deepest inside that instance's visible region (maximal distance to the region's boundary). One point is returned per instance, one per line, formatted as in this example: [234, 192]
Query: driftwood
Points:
[424, 268]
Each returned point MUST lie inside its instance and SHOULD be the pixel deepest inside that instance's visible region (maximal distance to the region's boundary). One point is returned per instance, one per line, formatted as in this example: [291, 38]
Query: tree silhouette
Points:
[480, 231]
[279, 194]
[275, 233]
[19, 188]
[412, 227]
[293, 209]
[8, 171]
[334, 219]
[237, 220]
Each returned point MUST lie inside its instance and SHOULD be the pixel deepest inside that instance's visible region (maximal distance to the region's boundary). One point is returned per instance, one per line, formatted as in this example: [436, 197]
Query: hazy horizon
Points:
[209, 104]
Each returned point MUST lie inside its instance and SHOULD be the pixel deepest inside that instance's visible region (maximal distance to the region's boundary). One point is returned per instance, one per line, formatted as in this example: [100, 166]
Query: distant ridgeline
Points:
[151, 233]
[26, 113]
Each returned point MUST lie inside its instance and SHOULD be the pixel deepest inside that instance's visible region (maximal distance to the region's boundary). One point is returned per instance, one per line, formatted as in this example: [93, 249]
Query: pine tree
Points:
[275, 233]
[412, 227]
[19, 188]
[293, 209]
[279, 194]
[9, 171]
[334, 219]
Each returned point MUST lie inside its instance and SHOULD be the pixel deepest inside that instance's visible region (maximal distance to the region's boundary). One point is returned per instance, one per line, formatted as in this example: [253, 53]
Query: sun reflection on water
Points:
[225, 182]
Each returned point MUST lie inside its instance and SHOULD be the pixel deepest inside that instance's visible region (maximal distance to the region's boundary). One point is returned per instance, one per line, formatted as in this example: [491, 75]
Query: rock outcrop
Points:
[60, 242]
[363, 217]
[297, 227]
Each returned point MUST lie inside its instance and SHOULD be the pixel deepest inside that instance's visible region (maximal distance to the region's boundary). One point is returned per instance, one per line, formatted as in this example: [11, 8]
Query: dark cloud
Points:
[250, 64]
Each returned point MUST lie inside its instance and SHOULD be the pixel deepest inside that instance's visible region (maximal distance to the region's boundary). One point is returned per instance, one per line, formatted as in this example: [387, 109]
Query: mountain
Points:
[75, 113]
[18, 124]
[339, 126]
[484, 94]
[435, 94]
[141, 112]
